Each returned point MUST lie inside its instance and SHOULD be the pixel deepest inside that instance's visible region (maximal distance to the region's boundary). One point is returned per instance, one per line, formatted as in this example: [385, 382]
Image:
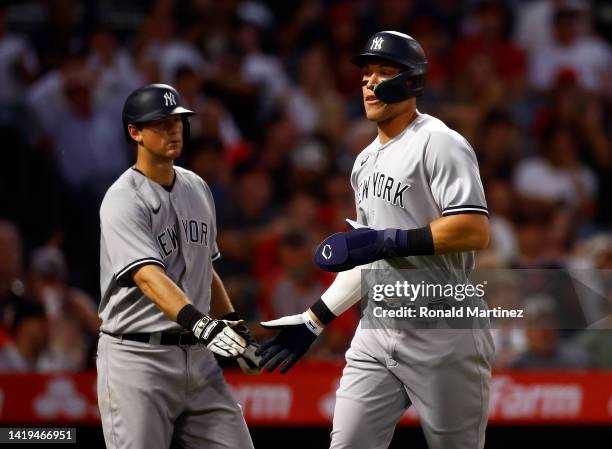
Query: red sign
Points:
[38, 399]
[306, 396]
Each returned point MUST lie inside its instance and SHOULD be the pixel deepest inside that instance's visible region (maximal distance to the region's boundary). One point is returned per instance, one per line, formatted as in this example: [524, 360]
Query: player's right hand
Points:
[248, 361]
[219, 337]
[297, 333]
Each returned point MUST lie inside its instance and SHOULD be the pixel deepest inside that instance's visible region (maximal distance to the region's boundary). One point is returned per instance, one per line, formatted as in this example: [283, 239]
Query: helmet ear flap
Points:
[402, 86]
[396, 89]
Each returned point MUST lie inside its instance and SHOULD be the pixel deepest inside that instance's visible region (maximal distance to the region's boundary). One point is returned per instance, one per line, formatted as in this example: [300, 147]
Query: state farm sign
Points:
[306, 397]
[512, 400]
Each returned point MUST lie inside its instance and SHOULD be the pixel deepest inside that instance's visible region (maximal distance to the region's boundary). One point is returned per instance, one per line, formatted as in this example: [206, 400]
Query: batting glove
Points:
[219, 337]
[297, 333]
[247, 361]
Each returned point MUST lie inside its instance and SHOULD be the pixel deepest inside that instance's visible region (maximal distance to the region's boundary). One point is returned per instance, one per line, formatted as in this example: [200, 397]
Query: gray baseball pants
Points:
[444, 373]
[148, 394]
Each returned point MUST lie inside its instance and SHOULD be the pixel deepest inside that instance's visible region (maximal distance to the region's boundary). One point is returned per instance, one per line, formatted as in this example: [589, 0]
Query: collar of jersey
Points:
[166, 188]
[400, 135]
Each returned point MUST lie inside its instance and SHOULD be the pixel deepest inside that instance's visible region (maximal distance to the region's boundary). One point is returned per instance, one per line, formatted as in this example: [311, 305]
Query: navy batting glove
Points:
[345, 250]
[297, 333]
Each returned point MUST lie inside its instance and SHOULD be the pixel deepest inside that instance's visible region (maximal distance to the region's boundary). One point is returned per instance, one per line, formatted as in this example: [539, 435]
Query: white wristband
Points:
[311, 324]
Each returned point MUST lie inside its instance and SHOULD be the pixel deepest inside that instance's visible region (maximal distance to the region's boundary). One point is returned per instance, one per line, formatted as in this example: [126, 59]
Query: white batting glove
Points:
[219, 337]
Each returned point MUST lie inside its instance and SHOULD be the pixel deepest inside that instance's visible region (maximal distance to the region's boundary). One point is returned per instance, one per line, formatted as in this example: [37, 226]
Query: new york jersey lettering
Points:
[384, 187]
[194, 232]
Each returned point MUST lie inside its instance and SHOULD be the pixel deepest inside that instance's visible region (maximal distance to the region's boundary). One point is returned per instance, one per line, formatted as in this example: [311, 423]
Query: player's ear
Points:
[135, 133]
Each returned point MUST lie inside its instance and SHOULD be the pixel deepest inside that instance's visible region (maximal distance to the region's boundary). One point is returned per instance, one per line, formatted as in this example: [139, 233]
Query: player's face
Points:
[372, 74]
[164, 137]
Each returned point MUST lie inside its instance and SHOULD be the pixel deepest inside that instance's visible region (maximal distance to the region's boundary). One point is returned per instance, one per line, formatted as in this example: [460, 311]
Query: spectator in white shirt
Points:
[557, 177]
[87, 139]
[535, 20]
[161, 41]
[259, 68]
[589, 57]
[114, 69]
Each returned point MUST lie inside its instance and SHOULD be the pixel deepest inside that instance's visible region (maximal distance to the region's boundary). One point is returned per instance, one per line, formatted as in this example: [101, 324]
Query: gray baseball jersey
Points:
[151, 393]
[426, 172]
[143, 223]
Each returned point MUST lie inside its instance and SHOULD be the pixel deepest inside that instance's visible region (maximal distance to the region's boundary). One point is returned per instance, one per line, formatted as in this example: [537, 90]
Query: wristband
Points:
[311, 324]
[322, 312]
[188, 316]
[415, 242]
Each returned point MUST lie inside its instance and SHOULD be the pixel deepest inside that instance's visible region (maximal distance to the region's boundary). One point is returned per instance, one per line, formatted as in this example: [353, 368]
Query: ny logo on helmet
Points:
[169, 97]
[377, 43]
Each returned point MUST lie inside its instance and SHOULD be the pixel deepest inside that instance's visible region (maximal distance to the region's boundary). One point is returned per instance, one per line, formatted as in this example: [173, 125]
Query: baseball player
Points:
[420, 206]
[157, 375]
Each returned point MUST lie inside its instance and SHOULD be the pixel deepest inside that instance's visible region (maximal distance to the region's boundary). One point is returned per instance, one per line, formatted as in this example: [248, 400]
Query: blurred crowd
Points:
[279, 123]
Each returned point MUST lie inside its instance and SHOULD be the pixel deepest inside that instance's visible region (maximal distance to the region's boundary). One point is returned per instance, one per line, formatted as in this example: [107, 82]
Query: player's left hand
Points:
[345, 250]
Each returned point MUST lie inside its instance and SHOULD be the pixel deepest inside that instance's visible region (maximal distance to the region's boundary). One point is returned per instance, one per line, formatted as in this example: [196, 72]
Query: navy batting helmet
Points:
[404, 51]
[153, 102]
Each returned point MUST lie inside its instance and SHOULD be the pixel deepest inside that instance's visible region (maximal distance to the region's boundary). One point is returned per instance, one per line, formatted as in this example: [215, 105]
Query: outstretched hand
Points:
[297, 333]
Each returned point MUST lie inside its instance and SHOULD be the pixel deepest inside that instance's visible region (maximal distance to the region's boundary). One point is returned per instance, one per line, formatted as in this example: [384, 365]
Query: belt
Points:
[160, 338]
